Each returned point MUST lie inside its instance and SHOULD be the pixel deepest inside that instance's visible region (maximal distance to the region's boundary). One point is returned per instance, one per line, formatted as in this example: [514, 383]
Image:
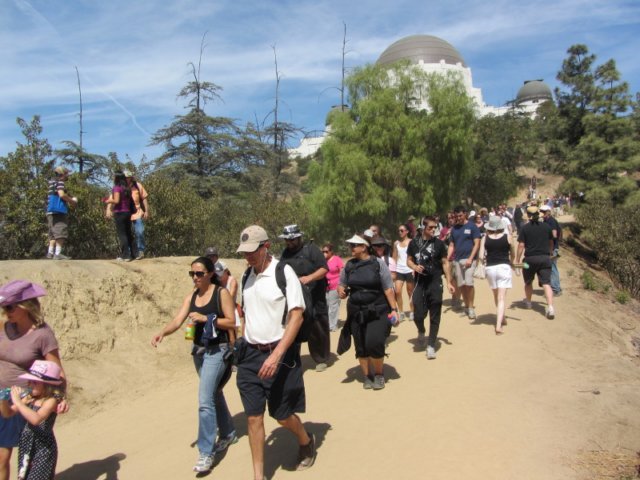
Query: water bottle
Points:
[190, 330]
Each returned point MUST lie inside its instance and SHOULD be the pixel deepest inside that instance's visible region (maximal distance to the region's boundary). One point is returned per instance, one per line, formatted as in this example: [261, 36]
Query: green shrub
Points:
[622, 296]
[589, 281]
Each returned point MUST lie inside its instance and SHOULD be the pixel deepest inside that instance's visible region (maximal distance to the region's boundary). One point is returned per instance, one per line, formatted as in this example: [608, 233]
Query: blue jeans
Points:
[138, 228]
[555, 276]
[213, 413]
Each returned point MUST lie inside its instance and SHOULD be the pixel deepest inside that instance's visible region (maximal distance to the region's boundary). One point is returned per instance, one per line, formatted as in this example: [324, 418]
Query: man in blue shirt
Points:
[58, 202]
[464, 245]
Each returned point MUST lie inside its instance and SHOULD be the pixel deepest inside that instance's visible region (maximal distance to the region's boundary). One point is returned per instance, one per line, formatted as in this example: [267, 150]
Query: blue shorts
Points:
[10, 430]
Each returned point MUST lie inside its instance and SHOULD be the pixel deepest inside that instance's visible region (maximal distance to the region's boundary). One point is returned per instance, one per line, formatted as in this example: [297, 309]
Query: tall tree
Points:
[503, 144]
[380, 163]
[23, 193]
[606, 158]
[201, 148]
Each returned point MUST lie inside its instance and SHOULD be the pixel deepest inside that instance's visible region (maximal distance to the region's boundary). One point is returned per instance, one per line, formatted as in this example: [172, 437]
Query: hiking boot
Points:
[223, 443]
[204, 463]
[61, 257]
[551, 314]
[321, 367]
[431, 353]
[368, 383]
[378, 382]
[307, 454]
[471, 313]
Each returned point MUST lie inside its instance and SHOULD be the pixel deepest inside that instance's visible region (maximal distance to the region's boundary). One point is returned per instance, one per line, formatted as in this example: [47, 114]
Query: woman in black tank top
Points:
[496, 250]
[211, 308]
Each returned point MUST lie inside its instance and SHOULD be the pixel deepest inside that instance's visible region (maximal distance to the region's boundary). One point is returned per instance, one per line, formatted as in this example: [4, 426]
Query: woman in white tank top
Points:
[404, 275]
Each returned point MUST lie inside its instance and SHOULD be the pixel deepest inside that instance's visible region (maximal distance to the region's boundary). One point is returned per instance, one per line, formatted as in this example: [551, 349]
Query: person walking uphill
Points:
[464, 245]
[140, 199]
[536, 242]
[58, 212]
[371, 310]
[427, 256]
[311, 267]
[268, 358]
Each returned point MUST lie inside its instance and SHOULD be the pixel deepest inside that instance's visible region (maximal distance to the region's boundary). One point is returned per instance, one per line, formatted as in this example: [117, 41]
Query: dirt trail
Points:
[525, 405]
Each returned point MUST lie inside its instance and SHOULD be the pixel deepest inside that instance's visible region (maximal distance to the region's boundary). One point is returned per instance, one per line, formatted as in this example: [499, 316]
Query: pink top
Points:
[335, 264]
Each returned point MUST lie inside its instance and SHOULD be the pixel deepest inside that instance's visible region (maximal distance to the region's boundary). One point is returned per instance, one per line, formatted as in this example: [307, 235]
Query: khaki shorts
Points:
[463, 276]
[57, 223]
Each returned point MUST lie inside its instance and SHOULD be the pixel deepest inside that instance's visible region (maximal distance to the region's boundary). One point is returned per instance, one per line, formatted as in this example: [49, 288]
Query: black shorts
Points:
[540, 264]
[283, 393]
[405, 277]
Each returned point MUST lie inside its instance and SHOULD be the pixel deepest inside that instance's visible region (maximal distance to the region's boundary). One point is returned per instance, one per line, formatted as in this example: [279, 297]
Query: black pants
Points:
[427, 298]
[319, 336]
[124, 229]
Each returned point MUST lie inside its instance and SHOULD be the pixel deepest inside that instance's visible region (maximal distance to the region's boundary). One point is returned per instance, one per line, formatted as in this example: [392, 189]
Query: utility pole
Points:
[80, 155]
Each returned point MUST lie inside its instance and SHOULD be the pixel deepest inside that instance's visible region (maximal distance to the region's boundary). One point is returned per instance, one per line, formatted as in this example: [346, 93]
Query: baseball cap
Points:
[211, 251]
[545, 208]
[251, 238]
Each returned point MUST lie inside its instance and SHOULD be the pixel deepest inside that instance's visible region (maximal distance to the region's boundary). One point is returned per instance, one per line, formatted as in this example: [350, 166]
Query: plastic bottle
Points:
[190, 330]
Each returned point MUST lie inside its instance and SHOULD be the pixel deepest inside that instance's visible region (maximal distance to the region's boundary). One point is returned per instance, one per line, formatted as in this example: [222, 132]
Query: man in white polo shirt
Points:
[269, 366]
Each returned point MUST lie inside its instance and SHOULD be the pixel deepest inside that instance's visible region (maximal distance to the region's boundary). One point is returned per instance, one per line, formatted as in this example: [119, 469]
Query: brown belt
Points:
[263, 347]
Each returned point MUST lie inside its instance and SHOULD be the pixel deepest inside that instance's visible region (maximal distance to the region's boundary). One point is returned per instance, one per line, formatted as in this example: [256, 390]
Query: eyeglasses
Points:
[196, 274]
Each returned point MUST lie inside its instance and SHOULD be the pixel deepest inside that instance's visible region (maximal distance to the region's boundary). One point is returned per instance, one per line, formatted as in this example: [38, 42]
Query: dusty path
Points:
[519, 406]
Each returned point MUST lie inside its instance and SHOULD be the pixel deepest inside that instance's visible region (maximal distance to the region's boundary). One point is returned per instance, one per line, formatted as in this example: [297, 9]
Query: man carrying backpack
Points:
[268, 358]
[311, 267]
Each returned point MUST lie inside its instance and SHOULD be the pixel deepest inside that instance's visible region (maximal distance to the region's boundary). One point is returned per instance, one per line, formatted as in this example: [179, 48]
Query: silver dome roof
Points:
[427, 48]
[533, 90]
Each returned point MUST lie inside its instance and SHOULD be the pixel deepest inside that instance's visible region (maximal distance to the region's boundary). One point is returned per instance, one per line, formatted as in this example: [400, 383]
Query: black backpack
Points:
[307, 315]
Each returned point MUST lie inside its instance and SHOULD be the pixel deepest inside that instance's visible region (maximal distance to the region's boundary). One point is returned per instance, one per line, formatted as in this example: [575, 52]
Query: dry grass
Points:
[605, 464]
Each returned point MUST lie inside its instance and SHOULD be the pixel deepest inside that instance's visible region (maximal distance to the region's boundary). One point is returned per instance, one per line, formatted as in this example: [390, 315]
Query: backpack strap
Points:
[281, 280]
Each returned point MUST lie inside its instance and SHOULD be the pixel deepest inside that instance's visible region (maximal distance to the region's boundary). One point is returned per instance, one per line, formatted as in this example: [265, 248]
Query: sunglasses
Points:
[196, 274]
[430, 227]
[10, 308]
[354, 245]
[325, 251]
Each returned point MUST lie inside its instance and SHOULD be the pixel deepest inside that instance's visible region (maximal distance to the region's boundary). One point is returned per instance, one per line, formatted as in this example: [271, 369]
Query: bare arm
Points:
[31, 416]
[520, 252]
[312, 277]
[447, 275]
[114, 198]
[476, 247]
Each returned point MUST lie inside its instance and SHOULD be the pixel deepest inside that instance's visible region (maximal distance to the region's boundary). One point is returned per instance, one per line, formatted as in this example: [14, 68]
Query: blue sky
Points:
[133, 55]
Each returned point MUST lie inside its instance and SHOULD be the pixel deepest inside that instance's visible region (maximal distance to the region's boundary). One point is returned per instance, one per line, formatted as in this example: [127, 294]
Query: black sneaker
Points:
[307, 454]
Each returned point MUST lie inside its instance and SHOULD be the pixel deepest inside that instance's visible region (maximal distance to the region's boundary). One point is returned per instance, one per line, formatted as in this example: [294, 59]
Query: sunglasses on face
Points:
[430, 227]
[325, 251]
[354, 245]
[196, 274]
[10, 308]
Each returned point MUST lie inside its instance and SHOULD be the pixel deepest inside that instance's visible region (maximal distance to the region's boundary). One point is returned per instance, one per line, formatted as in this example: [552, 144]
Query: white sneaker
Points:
[551, 314]
[204, 463]
[223, 443]
[411, 316]
[526, 303]
[471, 313]
[431, 353]
[400, 316]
